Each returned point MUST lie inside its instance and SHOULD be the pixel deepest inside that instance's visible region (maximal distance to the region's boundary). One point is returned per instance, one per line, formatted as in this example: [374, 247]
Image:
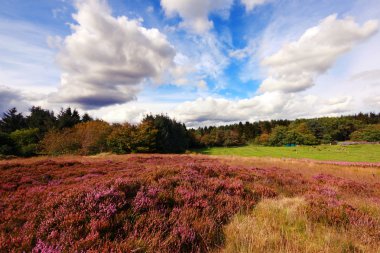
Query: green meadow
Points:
[352, 153]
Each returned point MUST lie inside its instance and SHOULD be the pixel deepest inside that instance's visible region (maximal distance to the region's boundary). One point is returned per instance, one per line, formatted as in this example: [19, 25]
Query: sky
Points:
[202, 62]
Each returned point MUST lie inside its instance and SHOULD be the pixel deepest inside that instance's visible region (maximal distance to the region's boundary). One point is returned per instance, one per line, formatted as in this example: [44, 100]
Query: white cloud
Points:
[105, 59]
[54, 42]
[296, 65]
[202, 84]
[251, 4]
[369, 75]
[194, 13]
[270, 105]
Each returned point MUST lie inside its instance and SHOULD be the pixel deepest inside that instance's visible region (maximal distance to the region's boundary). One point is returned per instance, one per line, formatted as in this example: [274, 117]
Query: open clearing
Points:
[352, 153]
[187, 203]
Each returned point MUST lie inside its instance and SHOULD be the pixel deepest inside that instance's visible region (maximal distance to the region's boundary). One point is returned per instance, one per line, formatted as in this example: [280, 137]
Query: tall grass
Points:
[284, 225]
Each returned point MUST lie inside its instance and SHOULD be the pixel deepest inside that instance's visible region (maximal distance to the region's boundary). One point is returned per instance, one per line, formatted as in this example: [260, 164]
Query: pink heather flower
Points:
[42, 247]
[186, 234]
[142, 201]
[152, 191]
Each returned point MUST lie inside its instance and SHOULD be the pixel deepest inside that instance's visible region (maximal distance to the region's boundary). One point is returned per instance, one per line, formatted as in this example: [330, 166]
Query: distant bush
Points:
[128, 138]
[279, 136]
[93, 136]
[26, 141]
[262, 139]
[84, 138]
[120, 140]
[60, 142]
[294, 134]
[370, 133]
[7, 145]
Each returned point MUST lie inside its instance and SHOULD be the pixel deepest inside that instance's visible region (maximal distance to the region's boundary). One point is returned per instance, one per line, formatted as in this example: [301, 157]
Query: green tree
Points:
[68, 118]
[7, 145]
[145, 137]
[12, 121]
[171, 137]
[120, 140]
[44, 120]
[26, 141]
[86, 118]
[370, 133]
[278, 136]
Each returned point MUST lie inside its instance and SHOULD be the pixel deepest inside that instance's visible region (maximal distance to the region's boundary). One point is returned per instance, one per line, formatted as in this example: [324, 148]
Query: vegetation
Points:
[285, 132]
[350, 153]
[181, 203]
[70, 133]
[368, 133]
[290, 225]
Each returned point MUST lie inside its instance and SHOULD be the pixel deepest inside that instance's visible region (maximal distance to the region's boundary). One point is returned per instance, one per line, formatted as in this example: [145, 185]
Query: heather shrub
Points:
[172, 203]
[147, 204]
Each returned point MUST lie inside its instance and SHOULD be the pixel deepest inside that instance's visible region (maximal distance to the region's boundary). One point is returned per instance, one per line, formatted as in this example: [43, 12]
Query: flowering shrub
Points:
[153, 203]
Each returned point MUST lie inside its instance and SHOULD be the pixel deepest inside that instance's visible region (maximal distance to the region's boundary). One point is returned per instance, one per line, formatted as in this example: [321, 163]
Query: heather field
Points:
[351, 153]
[188, 203]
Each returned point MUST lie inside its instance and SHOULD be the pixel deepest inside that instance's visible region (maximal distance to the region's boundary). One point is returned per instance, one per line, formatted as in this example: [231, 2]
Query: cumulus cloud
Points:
[296, 65]
[251, 4]
[211, 110]
[105, 59]
[194, 13]
[270, 105]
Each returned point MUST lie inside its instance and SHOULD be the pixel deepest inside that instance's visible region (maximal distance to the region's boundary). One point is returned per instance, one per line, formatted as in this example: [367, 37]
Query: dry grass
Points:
[283, 225]
[309, 168]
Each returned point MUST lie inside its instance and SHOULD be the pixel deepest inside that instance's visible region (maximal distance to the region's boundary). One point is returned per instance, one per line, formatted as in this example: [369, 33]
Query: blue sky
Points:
[200, 61]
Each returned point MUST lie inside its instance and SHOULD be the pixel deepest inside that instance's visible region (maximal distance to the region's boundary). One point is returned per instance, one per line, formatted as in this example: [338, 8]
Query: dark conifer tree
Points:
[68, 118]
[12, 121]
[42, 119]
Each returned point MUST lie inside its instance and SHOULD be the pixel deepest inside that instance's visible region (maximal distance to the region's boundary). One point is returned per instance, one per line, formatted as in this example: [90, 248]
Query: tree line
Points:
[324, 130]
[68, 132]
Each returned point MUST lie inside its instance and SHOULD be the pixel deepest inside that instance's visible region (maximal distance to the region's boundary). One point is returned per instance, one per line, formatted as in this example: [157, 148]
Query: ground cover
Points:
[351, 153]
[186, 203]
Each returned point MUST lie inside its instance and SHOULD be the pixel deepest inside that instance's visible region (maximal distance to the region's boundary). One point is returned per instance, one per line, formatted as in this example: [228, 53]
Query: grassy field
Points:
[354, 153]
